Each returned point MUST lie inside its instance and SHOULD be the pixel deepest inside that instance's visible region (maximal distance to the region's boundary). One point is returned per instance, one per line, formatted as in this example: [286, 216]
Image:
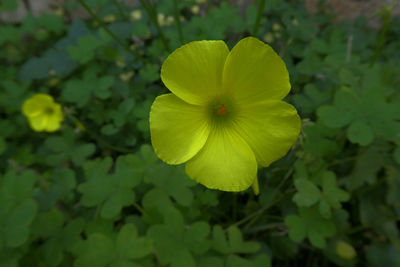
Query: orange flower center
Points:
[220, 108]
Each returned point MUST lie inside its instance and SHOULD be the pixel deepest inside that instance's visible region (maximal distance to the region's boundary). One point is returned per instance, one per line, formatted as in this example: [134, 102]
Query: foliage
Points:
[94, 193]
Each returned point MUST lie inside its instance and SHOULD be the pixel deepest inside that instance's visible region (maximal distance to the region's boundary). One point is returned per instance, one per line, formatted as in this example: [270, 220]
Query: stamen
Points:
[220, 108]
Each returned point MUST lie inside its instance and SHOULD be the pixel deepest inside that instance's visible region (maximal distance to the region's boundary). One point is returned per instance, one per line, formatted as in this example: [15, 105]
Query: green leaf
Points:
[98, 251]
[103, 84]
[48, 224]
[235, 243]
[307, 195]
[85, 50]
[332, 193]
[109, 129]
[311, 99]
[79, 91]
[334, 118]
[360, 132]
[16, 225]
[310, 224]
[196, 237]
[150, 72]
[368, 163]
[113, 191]
[168, 240]
[173, 180]
[80, 153]
[130, 246]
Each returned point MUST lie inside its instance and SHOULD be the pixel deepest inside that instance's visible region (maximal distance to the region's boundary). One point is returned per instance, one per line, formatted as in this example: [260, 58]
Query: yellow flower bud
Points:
[195, 9]
[126, 76]
[345, 250]
[109, 18]
[135, 15]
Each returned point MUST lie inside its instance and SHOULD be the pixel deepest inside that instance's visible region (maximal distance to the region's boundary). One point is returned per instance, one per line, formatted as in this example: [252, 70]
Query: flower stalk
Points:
[258, 19]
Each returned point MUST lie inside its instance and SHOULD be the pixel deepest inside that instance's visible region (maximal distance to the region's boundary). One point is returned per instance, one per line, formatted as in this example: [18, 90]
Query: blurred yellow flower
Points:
[43, 113]
[126, 76]
[135, 15]
[345, 250]
[225, 115]
[109, 18]
[195, 9]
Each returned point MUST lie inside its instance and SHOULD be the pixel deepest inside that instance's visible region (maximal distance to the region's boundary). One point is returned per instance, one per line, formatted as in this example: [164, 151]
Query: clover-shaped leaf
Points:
[307, 195]
[112, 191]
[79, 91]
[85, 50]
[310, 224]
[175, 243]
[329, 198]
[64, 148]
[130, 246]
[366, 111]
[61, 239]
[17, 208]
[234, 243]
[101, 250]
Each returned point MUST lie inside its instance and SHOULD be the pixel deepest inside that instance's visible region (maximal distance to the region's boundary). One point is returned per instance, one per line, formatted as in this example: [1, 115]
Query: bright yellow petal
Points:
[178, 130]
[226, 162]
[254, 72]
[270, 128]
[38, 123]
[55, 119]
[36, 104]
[193, 72]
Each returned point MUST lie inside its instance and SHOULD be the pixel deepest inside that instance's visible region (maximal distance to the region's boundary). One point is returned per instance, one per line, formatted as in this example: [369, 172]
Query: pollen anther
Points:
[220, 108]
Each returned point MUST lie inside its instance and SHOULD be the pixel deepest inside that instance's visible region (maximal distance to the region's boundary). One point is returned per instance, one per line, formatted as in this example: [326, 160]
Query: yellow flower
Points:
[345, 250]
[225, 115]
[109, 18]
[43, 113]
[135, 15]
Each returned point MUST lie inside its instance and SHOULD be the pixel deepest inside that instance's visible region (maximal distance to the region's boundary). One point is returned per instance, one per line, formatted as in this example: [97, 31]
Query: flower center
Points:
[48, 110]
[220, 108]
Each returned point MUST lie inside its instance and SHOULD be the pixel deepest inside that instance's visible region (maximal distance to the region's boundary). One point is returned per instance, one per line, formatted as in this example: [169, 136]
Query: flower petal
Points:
[36, 104]
[178, 130]
[38, 123]
[55, 119]
[226, 162]
[270, 128]
[254, 72]
[193, 72]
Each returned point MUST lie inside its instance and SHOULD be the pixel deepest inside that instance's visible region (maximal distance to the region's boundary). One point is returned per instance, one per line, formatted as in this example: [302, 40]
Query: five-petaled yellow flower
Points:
[225, 115]
[43, 113]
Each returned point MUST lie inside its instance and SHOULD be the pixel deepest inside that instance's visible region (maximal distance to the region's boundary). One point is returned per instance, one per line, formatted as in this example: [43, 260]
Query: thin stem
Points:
[120, 10]
[152, 12]
[256, 187]
[125, 46]
[178, 21]
[258, 19]
[386, 17]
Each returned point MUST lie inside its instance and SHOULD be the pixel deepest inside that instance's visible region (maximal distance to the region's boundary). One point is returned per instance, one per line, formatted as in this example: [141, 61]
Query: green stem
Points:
[125, 46]
[258, 19]
[120, 10]
[99, 139]
[178, 21]
[386, 17]
[152, 12]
